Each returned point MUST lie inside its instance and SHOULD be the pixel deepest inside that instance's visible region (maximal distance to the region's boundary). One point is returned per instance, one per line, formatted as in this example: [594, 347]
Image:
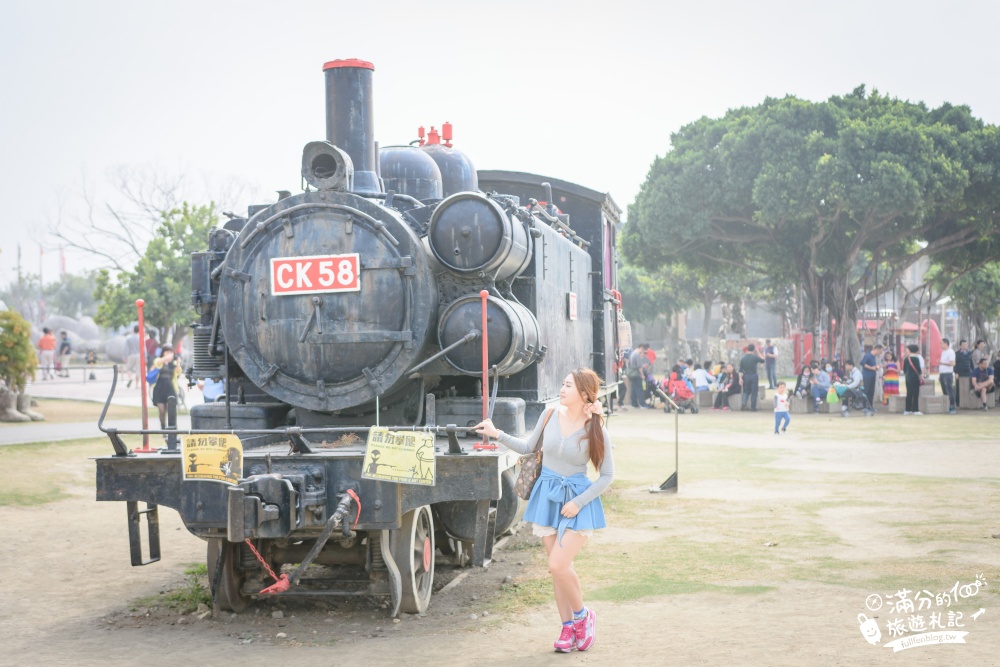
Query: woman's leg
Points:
[162, 407]
[569, 595]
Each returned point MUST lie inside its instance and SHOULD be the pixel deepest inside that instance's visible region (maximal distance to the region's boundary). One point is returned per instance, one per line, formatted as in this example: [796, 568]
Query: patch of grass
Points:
[524, 545]
[521, 595]
[45, 472]
[652, 585]
[194, 591]
[59, 411]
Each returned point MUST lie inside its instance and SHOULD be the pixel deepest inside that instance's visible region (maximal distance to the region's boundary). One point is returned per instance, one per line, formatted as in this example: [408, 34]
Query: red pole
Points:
[484, 295]
[142, 380]
[485, 444]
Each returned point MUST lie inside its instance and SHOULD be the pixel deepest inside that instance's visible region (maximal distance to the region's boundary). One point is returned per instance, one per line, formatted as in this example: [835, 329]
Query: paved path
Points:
[46, 432]
[75, 389]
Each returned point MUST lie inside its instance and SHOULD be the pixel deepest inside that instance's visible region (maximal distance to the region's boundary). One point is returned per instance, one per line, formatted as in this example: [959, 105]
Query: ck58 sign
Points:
[314, 274]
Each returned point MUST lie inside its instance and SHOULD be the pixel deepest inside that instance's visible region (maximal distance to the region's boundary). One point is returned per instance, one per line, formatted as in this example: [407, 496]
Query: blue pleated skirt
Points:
[551, 492]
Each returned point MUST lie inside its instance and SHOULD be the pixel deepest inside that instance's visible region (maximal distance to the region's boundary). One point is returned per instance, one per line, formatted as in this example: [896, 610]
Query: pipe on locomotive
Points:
[350, 119]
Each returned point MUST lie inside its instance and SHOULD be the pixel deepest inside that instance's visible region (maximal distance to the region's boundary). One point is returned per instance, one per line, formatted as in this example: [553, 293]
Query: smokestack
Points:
[350, 123]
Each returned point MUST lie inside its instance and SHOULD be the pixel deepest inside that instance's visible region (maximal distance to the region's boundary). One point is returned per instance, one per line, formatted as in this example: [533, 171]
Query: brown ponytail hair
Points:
[588, 384]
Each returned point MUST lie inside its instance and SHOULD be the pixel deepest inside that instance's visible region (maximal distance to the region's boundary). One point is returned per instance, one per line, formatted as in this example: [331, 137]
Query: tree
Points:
[646, 296]
[24, 295]
[17, 363]
[72, 296]
[114, 219]
[804, 192]
[162, 276]
[976, 292]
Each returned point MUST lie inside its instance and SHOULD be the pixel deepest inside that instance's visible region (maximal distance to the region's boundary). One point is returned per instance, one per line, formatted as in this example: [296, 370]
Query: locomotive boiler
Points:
[359, 302]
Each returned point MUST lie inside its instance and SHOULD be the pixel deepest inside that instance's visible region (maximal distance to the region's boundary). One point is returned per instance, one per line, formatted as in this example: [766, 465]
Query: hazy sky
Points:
[584, 91]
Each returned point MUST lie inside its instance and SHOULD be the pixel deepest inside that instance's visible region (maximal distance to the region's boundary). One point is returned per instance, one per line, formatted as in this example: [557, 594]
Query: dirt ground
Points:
[68, 595]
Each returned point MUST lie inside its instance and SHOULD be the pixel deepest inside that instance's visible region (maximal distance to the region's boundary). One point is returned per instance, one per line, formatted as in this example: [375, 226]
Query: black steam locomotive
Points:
[358, 303]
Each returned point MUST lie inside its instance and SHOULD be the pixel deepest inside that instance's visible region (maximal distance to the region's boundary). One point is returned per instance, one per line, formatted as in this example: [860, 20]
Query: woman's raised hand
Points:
[594, 408]
[487, 428]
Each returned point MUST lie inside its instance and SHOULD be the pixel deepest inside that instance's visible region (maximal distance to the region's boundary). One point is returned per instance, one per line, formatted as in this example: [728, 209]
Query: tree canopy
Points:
[17, 355]
[804, 192]
[162, 277]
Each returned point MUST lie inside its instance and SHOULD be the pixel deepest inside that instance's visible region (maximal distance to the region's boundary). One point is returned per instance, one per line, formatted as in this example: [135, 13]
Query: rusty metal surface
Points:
[204, 505]
[337, 350]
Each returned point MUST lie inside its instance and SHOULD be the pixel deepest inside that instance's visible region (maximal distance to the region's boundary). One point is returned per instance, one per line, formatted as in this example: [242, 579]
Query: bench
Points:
[934, 405]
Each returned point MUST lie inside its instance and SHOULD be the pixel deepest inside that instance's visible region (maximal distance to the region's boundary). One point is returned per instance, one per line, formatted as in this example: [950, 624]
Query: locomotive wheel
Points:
[413, 551]
[227, 591]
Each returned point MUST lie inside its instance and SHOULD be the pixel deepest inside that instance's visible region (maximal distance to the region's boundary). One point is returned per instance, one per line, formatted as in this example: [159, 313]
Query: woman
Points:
[803, 386]
[565, 506]
[890, 377]
[913, 370]
[166, 381]
[703, 379]
[727, 387]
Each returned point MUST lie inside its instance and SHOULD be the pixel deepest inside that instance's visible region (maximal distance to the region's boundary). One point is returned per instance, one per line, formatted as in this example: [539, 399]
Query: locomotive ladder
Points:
[486, 532]
[134, 532]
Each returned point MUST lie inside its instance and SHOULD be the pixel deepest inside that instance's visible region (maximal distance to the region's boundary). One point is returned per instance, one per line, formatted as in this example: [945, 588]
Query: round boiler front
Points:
[512, 329]
[472, 235]
[326, 300]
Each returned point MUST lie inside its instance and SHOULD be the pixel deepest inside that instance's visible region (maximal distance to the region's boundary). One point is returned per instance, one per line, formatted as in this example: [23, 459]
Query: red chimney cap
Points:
[350, 62]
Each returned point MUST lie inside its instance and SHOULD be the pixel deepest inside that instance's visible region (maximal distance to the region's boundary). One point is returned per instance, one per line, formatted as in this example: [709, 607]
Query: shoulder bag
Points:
[531, 464]
[914, 367]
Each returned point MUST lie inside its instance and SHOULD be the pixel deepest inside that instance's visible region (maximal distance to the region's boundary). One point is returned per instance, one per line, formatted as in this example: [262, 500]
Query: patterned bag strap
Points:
[541, 436]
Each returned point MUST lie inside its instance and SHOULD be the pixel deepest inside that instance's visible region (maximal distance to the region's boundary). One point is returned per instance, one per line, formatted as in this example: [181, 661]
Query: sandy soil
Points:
[67, 594]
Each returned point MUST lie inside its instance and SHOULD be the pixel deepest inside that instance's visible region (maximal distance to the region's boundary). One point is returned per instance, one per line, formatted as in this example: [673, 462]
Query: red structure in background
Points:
[930, 343]
[927, 335]
[802, 348]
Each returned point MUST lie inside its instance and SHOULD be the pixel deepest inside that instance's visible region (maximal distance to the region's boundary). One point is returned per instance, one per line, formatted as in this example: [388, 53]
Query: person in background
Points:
[132, 368]
[166, 381]
[702, 378]
[748, 377]
[913, 370]
[979, 353]
[869, 371]
[771, 364]
[852, 384]
[820, 384]
[963, 367]
[47, 354]
[151, 345]
[996, 374]
[946, 373]
[983, 381]
[637, 366]
[565, 506]
[212, 389]
[803, 385]
[729, 384]
[890, 377]
[65, 351]
[781, 408]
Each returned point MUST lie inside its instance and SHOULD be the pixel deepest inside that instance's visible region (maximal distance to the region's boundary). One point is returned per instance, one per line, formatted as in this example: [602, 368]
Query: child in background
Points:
[781, 408]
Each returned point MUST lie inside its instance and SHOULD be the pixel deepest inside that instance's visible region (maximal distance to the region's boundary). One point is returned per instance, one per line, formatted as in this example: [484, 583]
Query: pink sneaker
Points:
[567, 639]
[585, 630]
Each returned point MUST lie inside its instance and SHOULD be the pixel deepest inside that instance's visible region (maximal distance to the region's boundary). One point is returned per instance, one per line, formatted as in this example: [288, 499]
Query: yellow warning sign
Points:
[406, 457]
[215, 458]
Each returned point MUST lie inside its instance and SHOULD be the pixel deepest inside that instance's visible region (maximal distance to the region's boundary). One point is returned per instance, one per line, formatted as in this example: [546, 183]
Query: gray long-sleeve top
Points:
[566, 456]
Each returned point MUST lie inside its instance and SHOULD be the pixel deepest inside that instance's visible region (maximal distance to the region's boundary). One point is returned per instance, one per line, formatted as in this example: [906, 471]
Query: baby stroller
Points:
[855, 399]
[681, 394]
